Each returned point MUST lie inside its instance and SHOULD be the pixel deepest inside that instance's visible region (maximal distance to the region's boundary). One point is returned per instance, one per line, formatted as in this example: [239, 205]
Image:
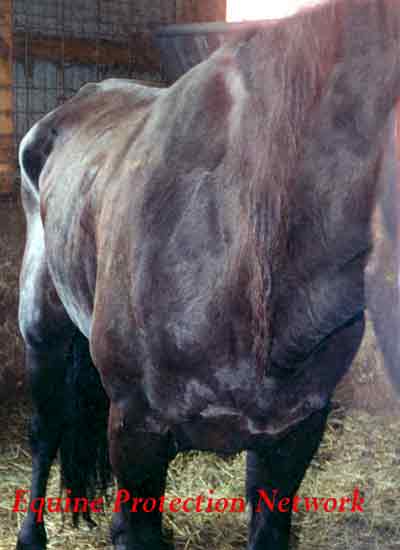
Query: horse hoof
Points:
[160, 545]
[38, 542]
[28, 546]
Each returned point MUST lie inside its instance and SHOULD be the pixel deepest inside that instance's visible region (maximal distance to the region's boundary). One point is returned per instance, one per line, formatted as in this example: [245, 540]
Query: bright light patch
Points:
[247, 10]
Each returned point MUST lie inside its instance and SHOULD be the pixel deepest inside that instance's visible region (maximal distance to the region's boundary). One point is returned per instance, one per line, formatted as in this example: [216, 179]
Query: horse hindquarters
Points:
[47, 333]
[59, 391]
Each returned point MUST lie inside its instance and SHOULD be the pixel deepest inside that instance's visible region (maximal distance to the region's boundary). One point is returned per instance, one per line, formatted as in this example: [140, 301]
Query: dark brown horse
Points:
[208, 244]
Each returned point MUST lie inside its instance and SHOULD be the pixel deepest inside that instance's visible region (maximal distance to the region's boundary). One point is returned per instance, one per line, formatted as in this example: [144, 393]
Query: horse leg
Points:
[278, 472]
[47, 332]
[139, 459]
[46, 369]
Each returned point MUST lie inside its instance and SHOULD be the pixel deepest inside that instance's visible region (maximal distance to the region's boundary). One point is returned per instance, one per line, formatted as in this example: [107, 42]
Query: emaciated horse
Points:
[205, 247]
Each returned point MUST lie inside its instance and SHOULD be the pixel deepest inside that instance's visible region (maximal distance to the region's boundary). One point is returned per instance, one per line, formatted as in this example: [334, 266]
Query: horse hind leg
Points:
[46, 368]
[70, 407]
[47, 333]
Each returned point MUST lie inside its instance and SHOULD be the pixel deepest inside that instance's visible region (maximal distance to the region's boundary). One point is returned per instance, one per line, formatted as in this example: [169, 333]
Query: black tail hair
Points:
[85, 465]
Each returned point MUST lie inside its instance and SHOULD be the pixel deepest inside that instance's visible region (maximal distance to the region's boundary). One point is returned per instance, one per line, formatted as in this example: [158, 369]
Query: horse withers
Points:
[194, 269]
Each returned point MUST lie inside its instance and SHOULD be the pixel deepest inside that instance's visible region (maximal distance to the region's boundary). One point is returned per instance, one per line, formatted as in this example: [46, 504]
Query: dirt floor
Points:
[360, 449]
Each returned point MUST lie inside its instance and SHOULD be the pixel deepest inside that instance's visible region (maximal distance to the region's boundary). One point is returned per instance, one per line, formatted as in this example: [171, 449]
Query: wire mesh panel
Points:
[59, 45]
[6, 98]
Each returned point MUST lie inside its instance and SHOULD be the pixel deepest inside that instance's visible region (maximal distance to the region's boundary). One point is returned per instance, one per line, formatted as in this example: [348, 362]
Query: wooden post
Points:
[180, 11]
[88, 51]
[7, 153]
[186, 11]
[193, 11]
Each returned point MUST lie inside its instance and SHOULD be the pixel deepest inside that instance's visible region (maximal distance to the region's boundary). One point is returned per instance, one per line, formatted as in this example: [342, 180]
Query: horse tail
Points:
[85, 465]
[34, 149]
